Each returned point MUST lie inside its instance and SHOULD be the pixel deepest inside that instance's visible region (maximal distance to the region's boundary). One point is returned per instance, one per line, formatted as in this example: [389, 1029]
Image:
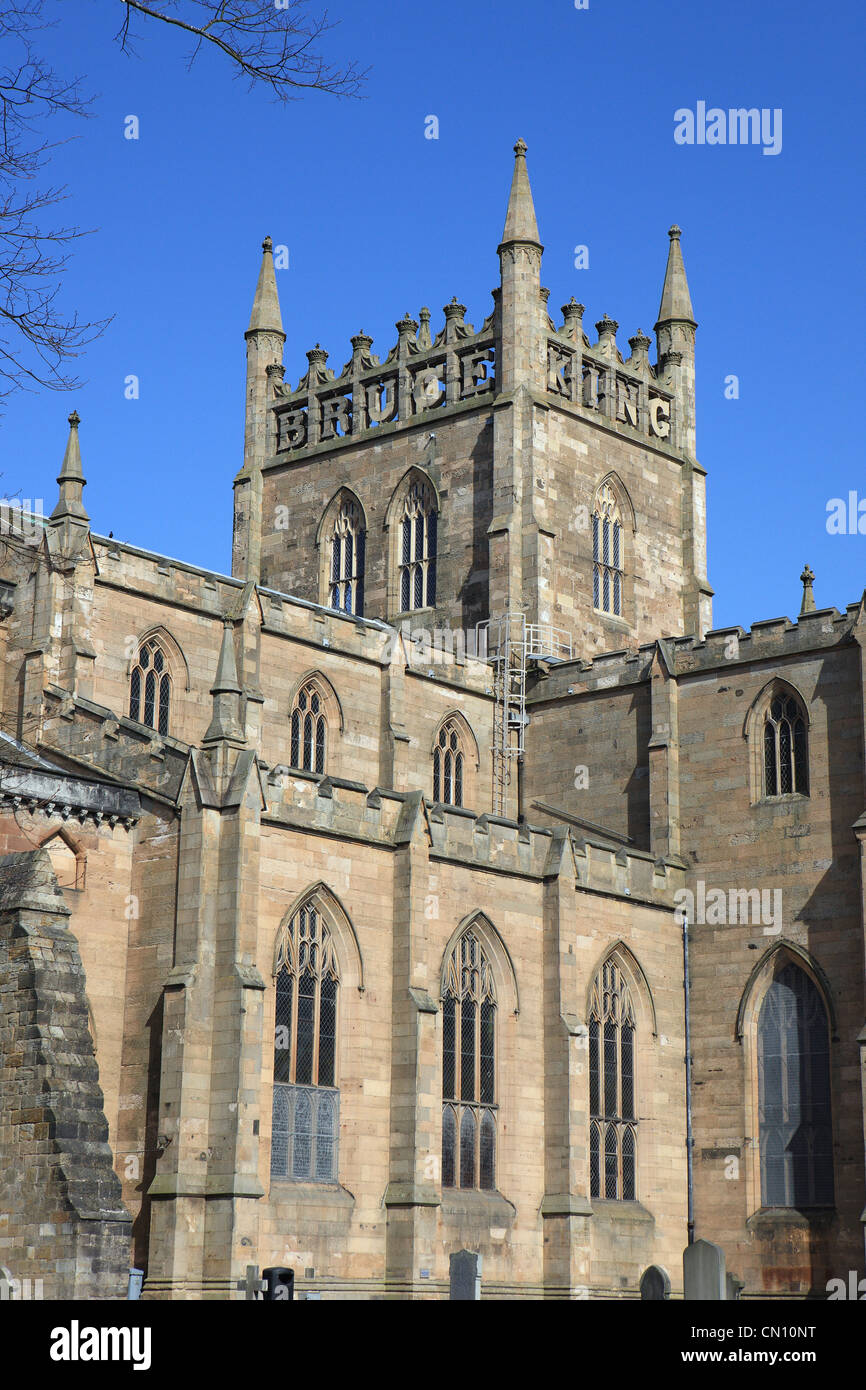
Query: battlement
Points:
[768, 639]
[496, 844]
[631, 394]
[419, 375]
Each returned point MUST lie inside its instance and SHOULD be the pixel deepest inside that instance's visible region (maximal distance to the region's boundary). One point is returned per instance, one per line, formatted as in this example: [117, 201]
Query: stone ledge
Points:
[410, 1194]
[470, 1204]
[625, 1213]
[566, 1204]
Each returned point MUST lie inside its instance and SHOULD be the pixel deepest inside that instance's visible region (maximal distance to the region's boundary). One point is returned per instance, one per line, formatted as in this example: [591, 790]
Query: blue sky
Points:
[379, 220]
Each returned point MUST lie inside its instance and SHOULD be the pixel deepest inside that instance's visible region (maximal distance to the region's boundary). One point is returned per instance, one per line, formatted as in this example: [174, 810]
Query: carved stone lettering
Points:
[660, 417]
[427, 388]
[477, 371]
[292, 429]
[627, 402]
[336, 416]
[382, 401]
[559, 372]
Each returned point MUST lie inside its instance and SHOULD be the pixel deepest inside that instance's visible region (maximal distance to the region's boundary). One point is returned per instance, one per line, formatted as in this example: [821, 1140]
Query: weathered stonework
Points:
[182, 852]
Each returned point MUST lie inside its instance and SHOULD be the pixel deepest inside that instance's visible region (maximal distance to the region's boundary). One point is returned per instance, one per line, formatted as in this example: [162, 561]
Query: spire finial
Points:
[807, 579]
[520, 223]
[225, 722]
[266, 316]
[676, 305]
[71, 480]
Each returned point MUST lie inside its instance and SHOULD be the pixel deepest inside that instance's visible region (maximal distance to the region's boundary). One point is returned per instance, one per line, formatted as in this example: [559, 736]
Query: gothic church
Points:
[342, 898]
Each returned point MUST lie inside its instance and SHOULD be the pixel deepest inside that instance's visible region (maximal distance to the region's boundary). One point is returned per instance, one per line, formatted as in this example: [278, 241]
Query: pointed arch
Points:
[455, 760]
[635, 978]
[348, 947]
[412, 475]
[614, 1028]
[787, 1027]
[470, 1062]
[762, 975]
[341, 540]
[411, 525]
[78, 864]
[612, 516]
[175, 652]
[327, 694]
[329, 515]
[776, 728]
[152, 679]
[492, 943]
[470, 741]
[612, 480]
[777, 685]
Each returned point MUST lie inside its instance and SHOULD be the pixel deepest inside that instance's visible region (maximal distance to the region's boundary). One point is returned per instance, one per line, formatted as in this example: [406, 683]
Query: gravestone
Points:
[733, 1286]
[704, 1271]
[655, 1284]
[465, 1271]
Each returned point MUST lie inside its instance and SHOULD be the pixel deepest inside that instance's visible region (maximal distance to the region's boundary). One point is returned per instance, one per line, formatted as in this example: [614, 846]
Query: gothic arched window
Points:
[348, 545]
[795, 1128]
[607, 553]
[469, 1068]
[306, 1100]
[309, 730]
[612, 1107]
[150, 687]
[417, 564]
[786, 746]
[449, 762]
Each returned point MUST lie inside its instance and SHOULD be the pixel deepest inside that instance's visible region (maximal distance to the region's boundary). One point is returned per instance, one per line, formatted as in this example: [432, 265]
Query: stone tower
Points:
[521, 432]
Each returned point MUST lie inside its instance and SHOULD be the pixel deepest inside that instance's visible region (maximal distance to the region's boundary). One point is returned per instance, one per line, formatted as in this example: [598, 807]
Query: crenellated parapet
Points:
[420, 375]
[768, 640]
[627, 393]
[457, 836]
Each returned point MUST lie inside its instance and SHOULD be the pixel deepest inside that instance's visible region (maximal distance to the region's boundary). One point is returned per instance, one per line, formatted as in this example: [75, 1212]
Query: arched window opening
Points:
[786, 748]
[469, 1069]
[150, 687]
[612, 1090]
[794, 1114]
[348, 546]
[607, 553]
[417, 542]
[449, 761]
[309, 730]
[306, 1099]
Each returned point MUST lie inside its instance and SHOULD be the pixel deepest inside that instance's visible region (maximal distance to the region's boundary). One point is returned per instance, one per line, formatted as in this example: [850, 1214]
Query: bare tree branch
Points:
[270, 46]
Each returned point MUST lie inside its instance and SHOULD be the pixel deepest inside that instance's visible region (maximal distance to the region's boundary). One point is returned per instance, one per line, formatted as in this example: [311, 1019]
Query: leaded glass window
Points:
[306, 1109]
[348, 547]
[308, 730]
[612, 1091]
[795, 1125]
[786, 749]
[417, 549]
[607, 553]
[469, 1068]
[150, 687]
[448, 765]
